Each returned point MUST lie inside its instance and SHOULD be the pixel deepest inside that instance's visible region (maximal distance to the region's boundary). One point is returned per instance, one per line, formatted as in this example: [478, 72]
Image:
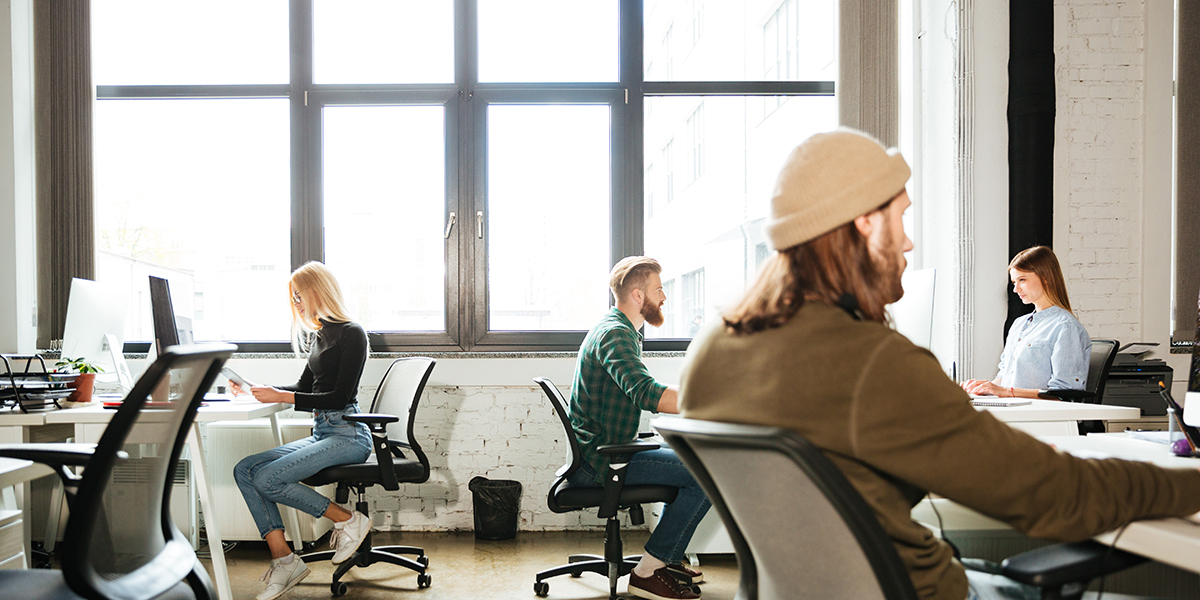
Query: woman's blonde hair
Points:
[322, 300]
[1041, 261]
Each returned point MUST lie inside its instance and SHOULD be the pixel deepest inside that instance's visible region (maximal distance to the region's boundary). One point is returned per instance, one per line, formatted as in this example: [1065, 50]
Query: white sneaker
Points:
[281, 578]
[347, 536]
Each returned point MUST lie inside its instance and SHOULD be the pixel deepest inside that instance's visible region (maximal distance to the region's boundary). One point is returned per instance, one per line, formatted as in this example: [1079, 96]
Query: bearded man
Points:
[808, 348]
[611, 389]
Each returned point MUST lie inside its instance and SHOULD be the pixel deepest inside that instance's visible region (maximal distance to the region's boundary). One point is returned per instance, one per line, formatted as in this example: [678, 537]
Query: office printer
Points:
[1134, 377]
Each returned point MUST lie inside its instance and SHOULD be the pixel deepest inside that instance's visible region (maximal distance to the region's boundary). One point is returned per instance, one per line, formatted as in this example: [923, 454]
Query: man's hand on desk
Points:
[270, 395]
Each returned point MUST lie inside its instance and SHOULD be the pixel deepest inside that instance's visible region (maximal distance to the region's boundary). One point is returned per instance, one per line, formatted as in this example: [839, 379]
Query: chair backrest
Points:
[574, 455]
[800, 529]
[120, 541]
[1099, 364]
[399, 394]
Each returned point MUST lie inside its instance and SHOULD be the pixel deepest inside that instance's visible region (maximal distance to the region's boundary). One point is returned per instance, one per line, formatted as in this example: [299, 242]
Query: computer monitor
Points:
[95, 330]
[1192, 399]
[169, 329]
[912, 315]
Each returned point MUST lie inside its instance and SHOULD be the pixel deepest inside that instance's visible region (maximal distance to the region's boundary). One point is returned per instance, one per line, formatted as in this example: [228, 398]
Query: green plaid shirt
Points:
[611, 389]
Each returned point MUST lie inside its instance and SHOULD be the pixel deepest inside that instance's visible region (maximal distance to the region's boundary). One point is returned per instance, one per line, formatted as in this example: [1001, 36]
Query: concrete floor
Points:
[464, 568]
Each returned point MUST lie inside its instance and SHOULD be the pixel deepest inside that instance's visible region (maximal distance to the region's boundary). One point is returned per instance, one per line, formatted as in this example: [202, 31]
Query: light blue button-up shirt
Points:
[1046, 350]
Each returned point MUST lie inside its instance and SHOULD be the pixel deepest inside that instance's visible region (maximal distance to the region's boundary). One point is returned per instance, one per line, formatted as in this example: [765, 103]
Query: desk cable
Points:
[941, 528]
[1107, 555]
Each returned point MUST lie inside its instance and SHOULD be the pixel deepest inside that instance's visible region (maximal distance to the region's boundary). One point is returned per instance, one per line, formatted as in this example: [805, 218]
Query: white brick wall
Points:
[498, 432]
[1100, 84]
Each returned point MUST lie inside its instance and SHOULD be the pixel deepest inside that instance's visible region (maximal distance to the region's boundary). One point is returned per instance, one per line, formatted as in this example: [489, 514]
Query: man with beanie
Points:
[610, 390]
[808, 348]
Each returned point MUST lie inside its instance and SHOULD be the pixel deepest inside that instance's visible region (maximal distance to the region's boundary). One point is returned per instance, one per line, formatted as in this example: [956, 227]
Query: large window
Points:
[470, 169]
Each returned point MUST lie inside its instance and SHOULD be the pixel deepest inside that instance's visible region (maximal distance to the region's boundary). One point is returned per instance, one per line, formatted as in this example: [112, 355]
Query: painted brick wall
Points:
[1100, 87]
[498, 432]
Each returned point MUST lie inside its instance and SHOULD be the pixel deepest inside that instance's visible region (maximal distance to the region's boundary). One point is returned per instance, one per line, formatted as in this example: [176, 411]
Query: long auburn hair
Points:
[829, 269]
[323, 300]
[1041, 261]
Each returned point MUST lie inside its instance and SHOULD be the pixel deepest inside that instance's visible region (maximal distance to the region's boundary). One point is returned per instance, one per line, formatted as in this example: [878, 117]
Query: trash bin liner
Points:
[496, 504]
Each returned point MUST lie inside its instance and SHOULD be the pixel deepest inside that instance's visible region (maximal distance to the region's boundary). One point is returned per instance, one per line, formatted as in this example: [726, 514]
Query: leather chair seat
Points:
[575, 498]
[366, 473]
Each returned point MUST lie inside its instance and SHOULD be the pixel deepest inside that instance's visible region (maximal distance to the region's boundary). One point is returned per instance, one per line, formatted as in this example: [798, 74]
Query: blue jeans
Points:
[273, 477]
[679, 518]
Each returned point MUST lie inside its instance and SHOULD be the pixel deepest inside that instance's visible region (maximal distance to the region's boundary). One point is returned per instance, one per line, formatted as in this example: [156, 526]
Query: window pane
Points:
[383, 41]
[151, 42]
[385, 197]
[705, 223]
[547, 41]
[196, 191]
[708, 40]
[548, 216]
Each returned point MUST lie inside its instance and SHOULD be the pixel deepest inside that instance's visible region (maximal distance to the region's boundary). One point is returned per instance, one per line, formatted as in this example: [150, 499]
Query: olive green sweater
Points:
[884, 412]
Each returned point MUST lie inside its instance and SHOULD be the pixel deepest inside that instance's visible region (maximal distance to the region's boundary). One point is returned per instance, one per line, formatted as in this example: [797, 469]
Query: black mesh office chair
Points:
[614, 496]
[801, 530]
[1100, 362]
[120, 541]
[398, 393]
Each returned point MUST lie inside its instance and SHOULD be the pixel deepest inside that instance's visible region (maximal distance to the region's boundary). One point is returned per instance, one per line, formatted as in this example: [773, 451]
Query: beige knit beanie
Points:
[829, 180]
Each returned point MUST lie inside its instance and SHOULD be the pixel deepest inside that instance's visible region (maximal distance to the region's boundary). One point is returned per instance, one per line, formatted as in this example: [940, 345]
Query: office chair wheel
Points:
[338, 588]
[541, 588]
[576, 574]
[424, 580]
[424, 560]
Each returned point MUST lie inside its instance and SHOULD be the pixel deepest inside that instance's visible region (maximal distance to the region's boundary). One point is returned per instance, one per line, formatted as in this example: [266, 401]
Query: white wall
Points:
[1112, 172]
[18, 294]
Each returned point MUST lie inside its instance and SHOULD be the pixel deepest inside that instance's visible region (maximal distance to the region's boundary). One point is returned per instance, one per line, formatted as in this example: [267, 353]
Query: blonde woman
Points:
[337, 350]
[1049, 348]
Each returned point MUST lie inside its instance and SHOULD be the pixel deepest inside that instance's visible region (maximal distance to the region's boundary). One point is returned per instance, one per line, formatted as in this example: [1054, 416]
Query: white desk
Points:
[1052, 417]
[14, 541]
[89, 425]
[1172, 541]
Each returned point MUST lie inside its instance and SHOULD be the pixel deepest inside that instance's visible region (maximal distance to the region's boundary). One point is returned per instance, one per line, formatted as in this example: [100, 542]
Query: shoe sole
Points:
[640, 593]
[685, 577]
[289, 586]
[335, 560]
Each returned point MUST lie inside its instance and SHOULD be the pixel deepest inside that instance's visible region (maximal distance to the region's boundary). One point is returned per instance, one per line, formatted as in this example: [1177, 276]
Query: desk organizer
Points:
[29, 389]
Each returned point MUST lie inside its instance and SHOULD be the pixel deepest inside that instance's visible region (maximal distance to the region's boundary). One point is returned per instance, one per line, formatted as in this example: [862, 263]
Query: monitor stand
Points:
[116, 351]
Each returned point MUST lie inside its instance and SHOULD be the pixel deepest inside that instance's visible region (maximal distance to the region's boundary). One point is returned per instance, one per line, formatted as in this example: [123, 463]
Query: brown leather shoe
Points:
[662, 585]
[686, 572]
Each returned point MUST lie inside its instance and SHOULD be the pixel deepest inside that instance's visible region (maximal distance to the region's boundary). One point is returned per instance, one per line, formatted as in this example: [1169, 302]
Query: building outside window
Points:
[472, 199]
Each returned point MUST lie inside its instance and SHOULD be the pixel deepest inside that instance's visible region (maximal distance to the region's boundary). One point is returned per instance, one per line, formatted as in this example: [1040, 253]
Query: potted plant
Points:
[86, 380]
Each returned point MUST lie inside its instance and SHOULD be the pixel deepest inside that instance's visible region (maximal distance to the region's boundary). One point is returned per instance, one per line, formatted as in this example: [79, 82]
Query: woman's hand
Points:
[984, 388]
[270, 395]
[236, 389]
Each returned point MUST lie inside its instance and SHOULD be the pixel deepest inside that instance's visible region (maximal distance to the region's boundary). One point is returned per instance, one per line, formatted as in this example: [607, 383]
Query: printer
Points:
[1134, 377]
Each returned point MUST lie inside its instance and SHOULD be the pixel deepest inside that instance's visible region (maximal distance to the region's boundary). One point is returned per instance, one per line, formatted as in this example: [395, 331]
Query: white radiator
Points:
[226, 443]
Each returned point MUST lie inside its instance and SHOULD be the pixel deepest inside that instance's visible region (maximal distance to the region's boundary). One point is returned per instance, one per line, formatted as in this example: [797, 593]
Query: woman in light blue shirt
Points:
[1048, 348]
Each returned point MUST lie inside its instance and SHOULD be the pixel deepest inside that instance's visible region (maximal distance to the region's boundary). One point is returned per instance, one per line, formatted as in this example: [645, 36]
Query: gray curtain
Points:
[869, 68]
[66, 245]
[1187, 172]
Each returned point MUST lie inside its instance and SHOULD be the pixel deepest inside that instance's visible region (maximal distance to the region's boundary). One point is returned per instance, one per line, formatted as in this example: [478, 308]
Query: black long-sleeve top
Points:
[335, 365]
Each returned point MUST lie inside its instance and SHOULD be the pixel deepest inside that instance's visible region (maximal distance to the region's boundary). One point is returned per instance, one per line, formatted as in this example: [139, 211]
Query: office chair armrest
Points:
[646, 434]
[1068, 395]
[52, 454]
[614, 476]
[372, 418]
[1061, 564]
[621, 452]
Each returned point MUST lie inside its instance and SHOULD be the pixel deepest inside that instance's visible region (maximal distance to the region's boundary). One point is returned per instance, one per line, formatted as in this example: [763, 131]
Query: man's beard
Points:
[653, 314]
[889, 266]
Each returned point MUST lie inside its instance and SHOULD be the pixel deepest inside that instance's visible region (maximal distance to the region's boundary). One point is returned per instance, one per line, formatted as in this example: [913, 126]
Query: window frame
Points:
[465, 102]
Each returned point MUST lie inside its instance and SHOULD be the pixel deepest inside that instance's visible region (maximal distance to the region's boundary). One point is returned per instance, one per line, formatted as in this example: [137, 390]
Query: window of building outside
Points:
[469, 188]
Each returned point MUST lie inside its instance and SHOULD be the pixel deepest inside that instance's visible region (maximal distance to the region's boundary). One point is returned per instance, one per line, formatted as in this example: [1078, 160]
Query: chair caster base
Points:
[424, 580]
[338, 588]
[541, 588]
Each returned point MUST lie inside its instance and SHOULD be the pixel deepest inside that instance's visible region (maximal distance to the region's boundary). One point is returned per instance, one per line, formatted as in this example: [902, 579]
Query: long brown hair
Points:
[829, 269]
[1041, 261]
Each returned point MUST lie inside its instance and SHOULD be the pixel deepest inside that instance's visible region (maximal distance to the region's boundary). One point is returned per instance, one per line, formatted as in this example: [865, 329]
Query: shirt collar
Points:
[625, 321]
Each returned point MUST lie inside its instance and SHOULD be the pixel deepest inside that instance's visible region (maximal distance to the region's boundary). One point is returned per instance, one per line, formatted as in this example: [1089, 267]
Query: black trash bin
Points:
[496, 505]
